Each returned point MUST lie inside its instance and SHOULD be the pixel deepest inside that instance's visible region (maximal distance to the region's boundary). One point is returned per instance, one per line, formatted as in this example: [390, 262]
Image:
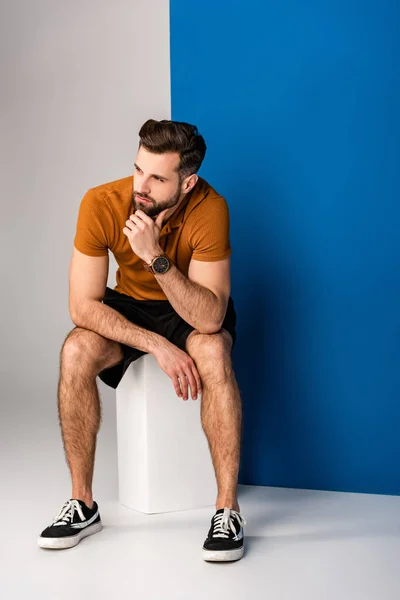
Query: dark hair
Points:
[173, 136]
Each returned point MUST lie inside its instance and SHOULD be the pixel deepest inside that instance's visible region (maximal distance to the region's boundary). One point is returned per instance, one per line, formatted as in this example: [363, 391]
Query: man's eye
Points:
[158, 179]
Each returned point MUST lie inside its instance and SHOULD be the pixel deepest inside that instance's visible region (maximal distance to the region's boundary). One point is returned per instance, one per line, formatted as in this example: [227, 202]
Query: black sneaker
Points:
[225, 538]
[74, 522]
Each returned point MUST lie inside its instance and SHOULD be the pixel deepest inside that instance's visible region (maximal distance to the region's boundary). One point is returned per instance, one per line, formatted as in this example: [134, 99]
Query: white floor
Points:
[298, 544]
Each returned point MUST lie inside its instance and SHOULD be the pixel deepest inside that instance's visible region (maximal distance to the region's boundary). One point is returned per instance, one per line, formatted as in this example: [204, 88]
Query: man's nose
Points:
[143, 187]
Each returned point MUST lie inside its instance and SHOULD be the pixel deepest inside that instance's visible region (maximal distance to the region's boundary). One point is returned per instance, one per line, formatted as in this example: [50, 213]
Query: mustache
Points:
[135, 195]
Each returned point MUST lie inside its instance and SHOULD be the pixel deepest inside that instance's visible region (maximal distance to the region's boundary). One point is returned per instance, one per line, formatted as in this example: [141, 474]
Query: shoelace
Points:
[66, 514]
[223, 522]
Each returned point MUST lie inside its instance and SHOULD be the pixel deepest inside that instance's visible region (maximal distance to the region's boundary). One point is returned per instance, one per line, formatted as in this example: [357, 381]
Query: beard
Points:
[153, 210]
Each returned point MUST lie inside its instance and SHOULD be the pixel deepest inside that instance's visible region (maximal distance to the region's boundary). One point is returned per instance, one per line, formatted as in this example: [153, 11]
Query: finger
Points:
[177, 386]
[126, 231]
[193, 384]
[184, 385]
[142, 215]
[129, 225]
[160, 218]
[134, 221]
[197, 378]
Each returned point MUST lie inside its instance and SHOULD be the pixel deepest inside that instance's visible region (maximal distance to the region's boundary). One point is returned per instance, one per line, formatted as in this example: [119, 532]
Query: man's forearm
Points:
[196, 304]
[109, 323]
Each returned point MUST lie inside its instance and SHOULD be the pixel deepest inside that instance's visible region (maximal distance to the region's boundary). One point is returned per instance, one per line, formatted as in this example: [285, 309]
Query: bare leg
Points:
[84, 354]
[221, 410]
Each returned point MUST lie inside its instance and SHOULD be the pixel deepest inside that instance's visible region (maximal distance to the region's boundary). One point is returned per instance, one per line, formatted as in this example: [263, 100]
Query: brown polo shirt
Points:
[199, 229]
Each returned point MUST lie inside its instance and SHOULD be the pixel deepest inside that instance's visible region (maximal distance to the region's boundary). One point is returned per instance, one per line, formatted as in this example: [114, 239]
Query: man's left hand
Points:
[143, 234]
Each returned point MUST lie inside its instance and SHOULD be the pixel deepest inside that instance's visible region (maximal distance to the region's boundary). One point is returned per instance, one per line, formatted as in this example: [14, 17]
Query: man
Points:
[169, 232]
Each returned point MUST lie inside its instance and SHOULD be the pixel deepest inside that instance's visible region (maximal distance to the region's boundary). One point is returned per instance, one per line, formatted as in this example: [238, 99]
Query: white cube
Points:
[164, 462]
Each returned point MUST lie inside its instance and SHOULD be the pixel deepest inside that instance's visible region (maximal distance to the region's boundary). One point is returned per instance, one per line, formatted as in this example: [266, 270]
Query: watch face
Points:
[161, 264]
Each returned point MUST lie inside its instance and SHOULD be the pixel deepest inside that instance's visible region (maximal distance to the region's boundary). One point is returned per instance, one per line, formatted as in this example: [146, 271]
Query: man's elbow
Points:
[213, 325]
[75, 317]
[78, 313]
[210, 327]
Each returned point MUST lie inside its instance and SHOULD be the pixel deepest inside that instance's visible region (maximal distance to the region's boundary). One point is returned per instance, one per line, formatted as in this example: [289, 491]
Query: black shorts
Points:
[157, 316]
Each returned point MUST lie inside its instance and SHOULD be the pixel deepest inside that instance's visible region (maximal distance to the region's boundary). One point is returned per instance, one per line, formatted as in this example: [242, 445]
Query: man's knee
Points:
[209, 347]
[88, 348]
[212, 355]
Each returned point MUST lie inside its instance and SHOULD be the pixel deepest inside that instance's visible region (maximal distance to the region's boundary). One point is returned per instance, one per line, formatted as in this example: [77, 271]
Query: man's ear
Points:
[189, 183]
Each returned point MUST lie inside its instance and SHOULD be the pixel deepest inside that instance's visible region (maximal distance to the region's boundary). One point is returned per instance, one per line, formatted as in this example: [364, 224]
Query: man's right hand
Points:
[180, 367]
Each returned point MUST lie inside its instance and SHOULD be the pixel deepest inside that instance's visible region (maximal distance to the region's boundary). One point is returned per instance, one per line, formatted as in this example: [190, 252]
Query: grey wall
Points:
[77, 81]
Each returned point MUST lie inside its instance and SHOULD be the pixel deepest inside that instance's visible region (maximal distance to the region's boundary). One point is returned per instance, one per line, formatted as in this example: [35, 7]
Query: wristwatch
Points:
[159, 264]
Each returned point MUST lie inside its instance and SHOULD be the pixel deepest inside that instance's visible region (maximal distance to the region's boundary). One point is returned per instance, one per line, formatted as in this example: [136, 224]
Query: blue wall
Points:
[299, 104]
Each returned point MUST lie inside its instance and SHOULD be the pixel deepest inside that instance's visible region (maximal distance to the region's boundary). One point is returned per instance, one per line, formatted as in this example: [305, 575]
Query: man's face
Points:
[157, 185]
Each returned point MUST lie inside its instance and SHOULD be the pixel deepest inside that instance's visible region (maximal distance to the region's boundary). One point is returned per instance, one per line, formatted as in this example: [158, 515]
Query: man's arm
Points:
[88, 280]
[201, 299]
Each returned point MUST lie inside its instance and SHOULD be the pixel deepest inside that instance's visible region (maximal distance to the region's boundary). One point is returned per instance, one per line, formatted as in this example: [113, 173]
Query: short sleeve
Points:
[92, 226]
[209, 237]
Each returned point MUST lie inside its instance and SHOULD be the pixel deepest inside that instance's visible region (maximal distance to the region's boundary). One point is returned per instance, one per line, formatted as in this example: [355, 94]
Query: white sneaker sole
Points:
[222, 555]
[69, 542]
